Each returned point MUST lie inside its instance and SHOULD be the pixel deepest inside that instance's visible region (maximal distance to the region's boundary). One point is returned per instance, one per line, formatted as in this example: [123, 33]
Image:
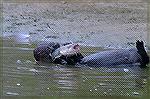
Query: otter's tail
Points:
[143, 54]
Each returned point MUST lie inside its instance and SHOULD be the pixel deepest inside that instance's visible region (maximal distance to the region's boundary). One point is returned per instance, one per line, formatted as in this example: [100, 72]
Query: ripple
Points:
[33, 70]
[19, 62]
[11, 93]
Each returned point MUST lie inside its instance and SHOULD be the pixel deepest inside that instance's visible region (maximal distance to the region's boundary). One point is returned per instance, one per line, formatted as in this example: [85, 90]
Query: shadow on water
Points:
[23, 77]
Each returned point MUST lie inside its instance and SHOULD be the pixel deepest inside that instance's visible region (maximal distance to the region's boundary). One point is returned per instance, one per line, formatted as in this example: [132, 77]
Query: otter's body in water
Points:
[118, 57]
[69, 54]
[112, 58]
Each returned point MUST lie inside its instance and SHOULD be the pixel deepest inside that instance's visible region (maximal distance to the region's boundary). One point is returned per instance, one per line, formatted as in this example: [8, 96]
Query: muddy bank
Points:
[113, 25]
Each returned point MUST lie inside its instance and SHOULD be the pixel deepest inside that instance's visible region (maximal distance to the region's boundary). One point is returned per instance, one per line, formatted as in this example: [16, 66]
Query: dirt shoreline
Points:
[108, 25]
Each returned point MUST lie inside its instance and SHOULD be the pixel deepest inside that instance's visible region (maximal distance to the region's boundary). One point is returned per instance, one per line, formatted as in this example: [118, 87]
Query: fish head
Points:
[70, 49]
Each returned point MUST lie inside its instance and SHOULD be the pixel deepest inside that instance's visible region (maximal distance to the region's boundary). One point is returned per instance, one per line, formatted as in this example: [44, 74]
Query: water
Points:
[23, 77]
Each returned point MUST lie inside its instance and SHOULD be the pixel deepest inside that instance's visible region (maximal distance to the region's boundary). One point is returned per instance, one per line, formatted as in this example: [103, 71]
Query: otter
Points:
[66, 53]
[118, 57]
[70, 54]
[43, 52]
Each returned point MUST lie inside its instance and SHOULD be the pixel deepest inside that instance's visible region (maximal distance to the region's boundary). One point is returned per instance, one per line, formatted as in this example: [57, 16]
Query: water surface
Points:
[23, 77]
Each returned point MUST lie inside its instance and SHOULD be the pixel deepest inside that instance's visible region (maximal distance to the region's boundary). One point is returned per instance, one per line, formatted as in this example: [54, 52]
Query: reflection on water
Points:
[22, 76]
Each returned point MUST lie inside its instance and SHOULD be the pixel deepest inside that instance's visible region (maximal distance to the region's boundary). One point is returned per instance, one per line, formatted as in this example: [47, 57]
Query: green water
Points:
[21, 76]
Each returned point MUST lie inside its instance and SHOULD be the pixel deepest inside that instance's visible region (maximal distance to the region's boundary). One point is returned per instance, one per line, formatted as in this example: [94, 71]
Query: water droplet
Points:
[95, 89]
[110, 89]
[18, 84]
[97, 85]
[144, 81]
[48, 88]
[18, 62]
[90, 90]
[105, 92]
[18, 68]
[128, 94]
[135, 93]
[101, 84]
[126, 70]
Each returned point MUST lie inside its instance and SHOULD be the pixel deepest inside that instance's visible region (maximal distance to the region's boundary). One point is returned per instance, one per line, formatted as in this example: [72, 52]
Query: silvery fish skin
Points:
[112, 57]
[67, 50]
